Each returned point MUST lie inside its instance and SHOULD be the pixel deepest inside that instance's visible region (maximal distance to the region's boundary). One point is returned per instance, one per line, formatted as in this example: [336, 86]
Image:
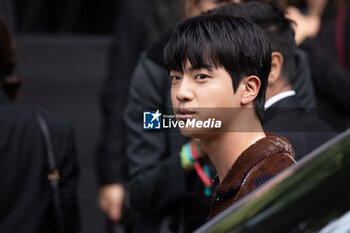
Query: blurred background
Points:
[67, 49]
[63, 52]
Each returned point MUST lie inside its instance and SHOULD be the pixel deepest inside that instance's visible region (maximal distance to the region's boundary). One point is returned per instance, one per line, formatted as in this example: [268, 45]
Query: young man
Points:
[223, 62]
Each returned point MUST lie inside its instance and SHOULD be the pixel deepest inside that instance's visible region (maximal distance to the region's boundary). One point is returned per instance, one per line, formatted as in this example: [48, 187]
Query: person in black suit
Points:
[284, 113]
[26, 198]
[146, 19]
[285, 116]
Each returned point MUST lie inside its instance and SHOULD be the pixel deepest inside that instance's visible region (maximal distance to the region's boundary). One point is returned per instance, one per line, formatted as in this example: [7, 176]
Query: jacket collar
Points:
[288, 104]
[274, 99]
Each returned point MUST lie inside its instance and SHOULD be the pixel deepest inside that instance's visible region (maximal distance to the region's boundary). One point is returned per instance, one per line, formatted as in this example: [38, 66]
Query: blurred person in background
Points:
[147, 20]
[27, 199]
[323, 31]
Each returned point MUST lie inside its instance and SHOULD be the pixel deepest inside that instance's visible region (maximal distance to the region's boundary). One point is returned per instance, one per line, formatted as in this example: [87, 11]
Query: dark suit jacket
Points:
[25, 194]
[304, 131]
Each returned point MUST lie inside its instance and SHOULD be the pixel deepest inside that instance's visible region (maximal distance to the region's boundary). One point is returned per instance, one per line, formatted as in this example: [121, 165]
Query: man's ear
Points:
[276, 67]
[251, 87]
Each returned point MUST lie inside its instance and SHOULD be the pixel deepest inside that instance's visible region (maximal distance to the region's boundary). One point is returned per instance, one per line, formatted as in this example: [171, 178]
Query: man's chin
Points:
[188, 133]
[193, 132]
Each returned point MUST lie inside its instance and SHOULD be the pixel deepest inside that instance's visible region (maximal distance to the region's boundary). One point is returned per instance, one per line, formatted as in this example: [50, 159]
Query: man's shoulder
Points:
[287, 115]
[277, 154]
[262, 160]
[270, 145]
[273, 163]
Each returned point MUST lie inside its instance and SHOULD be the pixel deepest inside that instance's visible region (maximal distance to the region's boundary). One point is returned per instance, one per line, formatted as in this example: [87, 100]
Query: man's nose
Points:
[185, 92]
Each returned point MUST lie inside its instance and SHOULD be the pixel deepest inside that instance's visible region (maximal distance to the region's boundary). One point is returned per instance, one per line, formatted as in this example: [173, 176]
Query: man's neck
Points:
[224, 148]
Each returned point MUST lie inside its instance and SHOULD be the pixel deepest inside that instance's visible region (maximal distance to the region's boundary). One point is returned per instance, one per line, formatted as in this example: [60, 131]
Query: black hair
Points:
[238, 46]
[276, 26]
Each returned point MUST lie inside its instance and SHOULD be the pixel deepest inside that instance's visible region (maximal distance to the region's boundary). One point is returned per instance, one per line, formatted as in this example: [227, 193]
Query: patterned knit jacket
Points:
[255, 166]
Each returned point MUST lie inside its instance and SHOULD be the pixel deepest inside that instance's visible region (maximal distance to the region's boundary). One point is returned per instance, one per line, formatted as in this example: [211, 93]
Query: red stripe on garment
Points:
[199, 169]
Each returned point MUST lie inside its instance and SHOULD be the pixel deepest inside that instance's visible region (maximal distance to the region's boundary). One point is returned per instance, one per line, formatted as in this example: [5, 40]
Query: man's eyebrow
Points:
[206, 67]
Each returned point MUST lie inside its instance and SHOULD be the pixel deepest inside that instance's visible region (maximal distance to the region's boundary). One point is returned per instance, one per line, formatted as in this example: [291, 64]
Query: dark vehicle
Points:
[310, 196]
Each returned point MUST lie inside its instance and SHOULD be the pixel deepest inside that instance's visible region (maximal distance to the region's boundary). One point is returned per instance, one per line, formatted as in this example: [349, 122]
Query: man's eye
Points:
[201, 76]
[174, 78]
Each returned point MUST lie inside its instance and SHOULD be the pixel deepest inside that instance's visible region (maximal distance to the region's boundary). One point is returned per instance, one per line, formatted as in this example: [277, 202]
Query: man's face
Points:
[204, 93]
[193, 7]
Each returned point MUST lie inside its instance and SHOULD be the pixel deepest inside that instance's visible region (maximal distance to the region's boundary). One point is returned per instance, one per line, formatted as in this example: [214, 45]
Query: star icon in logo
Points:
[156, 115]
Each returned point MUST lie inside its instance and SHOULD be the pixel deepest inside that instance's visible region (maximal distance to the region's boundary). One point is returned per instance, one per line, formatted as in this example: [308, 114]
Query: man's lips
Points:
[183, 114]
